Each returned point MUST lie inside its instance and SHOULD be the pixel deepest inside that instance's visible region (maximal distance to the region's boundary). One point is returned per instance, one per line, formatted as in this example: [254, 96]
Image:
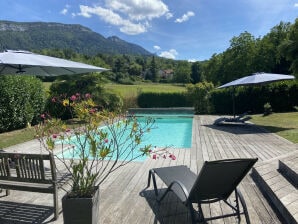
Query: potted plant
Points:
[98, 145]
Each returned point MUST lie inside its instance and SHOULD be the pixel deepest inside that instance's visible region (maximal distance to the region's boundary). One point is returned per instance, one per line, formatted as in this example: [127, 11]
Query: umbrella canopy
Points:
[25, 62]
[257, 78]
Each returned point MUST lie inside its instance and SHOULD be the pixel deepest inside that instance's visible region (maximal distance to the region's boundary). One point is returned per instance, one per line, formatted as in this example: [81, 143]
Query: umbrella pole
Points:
[233, 98]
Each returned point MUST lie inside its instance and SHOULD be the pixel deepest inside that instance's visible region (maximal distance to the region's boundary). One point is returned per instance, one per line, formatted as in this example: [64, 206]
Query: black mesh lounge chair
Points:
[242, 118]
[216, 181]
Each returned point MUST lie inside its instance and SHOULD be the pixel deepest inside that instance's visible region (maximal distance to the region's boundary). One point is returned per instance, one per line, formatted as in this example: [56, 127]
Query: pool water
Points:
[169, 131]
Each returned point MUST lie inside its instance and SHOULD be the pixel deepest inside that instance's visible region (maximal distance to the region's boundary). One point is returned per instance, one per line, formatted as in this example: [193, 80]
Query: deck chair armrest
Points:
[183, 196]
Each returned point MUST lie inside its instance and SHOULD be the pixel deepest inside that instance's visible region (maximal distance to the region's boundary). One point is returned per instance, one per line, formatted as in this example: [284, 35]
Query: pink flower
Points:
[54, 99]
[172, 156]
[154, 156]
[43, 116]
[106, 140]
[150, 150]
[77, 94]
[92, 111]
[54, 135]
[73, 98]
[67, 130]
[87, 95]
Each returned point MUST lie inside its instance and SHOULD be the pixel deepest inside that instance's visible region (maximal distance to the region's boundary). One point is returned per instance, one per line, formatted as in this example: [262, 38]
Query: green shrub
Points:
[199, 95]
[91, 84]
[21, 101]
[267, 109]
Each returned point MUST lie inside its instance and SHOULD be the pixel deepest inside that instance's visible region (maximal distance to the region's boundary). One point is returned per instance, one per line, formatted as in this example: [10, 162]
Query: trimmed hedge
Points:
[282, 96]
[21, 101]
[147, 100]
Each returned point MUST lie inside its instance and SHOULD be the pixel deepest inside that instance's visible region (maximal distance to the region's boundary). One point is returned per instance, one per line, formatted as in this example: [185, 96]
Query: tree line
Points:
[275, 52]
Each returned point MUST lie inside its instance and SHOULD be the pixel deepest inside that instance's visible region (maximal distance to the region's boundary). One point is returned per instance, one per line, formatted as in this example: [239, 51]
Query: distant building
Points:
[166, 74]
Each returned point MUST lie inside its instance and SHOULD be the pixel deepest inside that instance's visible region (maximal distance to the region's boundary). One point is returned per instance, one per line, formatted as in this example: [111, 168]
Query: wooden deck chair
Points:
[216, 181]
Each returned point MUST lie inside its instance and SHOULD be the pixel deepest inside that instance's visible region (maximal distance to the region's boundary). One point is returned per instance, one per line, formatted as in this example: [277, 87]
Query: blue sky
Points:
[178, 29]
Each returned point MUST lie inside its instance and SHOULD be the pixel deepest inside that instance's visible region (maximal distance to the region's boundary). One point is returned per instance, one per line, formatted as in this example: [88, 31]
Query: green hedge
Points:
[21, 101]
[282, 96]
[147, 100]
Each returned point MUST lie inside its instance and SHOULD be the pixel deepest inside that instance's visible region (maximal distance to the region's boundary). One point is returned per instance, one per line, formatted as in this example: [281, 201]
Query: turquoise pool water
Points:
[173, 131]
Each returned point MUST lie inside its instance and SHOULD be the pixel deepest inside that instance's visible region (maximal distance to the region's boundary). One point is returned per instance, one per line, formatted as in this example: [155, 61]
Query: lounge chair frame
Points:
[187, 188]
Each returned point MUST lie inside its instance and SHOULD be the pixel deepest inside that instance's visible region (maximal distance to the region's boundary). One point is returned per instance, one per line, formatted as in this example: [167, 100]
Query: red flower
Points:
[55, 135]
[106, 140]
[154, 156]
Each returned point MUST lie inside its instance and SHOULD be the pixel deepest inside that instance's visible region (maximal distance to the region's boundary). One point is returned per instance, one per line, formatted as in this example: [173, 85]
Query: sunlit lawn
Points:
[133, 90]
[282, 124]
[16, 137]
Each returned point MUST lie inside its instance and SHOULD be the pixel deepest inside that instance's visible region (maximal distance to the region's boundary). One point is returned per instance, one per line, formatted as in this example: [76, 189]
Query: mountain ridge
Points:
[52, 35]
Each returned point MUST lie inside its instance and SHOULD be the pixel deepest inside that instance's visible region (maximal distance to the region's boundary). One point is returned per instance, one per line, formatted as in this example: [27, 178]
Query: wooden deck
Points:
[122, 199]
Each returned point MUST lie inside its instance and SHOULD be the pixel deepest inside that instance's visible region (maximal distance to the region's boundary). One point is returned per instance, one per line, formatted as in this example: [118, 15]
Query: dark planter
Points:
[81, 210]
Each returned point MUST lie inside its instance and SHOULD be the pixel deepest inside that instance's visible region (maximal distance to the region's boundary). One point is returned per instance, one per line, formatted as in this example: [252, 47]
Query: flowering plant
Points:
[101, 143]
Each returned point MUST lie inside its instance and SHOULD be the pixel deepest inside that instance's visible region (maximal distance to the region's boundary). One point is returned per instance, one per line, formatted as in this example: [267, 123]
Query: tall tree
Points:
[238, 58]
[182, 72]
[289, 48]
[153, 70]
[196, 72]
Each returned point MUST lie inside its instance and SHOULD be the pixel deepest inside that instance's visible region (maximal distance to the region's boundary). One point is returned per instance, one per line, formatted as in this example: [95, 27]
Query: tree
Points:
[153, 70]
[196, 72]
[135, 69]
[238, 58]
[182, 72]
[268, 57]
[289, 48]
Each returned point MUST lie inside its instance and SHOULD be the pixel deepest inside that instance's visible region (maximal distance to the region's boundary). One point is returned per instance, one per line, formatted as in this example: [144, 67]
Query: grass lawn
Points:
[282, 124]
[133, 90]
[16, 137]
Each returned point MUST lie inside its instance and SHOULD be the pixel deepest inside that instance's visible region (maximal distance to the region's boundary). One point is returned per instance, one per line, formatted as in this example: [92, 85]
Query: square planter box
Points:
[81, 210]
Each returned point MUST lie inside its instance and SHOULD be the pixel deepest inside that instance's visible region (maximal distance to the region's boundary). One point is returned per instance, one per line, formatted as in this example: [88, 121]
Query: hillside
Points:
[41, 35]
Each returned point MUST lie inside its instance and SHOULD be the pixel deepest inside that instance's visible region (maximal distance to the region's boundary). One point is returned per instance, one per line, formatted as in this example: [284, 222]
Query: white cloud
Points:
[192, 60]
[139, 9]
[115, 19]
[169, 15]
[156, 47]
[65, 10]
[131, 16]
[296, 5]
[185, 17]
[171, 54]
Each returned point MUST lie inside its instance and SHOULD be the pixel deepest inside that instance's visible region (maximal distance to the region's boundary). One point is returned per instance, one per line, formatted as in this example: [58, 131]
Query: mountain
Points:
[41, 35]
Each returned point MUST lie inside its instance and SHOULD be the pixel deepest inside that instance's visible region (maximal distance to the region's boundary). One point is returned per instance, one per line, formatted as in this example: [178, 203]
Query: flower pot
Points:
[81, 210]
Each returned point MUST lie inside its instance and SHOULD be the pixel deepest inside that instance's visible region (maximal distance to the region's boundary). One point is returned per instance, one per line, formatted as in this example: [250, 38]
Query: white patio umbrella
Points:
[255, 79]
[25, 62]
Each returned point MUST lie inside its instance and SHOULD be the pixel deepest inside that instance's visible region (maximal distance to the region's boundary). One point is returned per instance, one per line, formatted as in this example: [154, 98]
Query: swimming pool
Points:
[173, 131]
